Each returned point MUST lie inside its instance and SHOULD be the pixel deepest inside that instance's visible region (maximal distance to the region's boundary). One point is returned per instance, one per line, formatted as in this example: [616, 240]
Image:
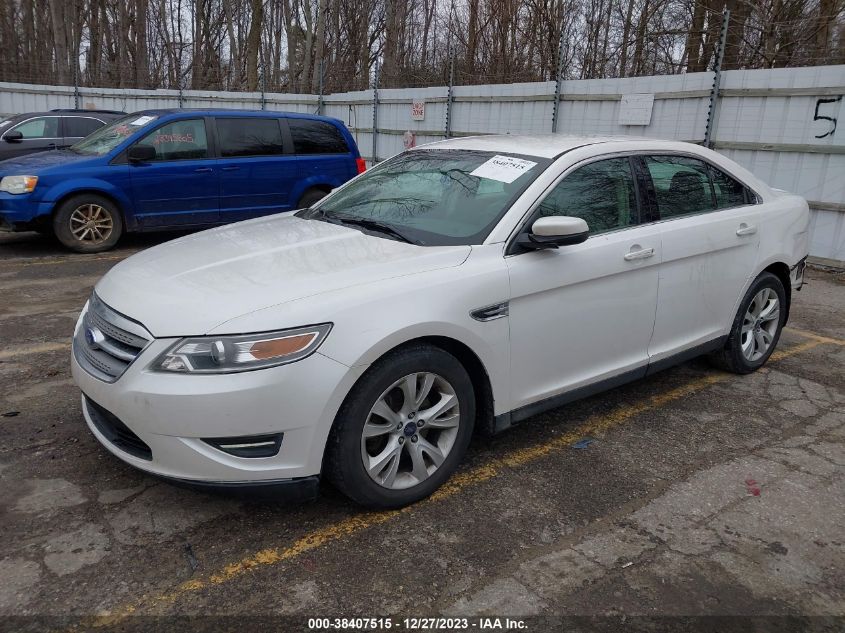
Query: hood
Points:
[194, 284]
[34, 164]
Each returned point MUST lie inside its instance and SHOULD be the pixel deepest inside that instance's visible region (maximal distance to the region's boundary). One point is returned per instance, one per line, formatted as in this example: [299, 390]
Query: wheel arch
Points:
[781, 271]
[108, 195]
[471, 362]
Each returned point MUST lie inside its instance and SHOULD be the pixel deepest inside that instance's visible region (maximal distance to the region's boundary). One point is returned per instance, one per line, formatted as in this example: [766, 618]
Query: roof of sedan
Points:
[543, 145]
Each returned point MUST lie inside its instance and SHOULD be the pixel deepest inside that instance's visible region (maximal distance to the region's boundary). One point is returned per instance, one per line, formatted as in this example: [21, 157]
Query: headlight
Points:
[228, 354]
[18, 184]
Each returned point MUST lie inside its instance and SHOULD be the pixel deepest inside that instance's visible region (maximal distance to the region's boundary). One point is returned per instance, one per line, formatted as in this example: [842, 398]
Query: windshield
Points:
[110, 136]
[434, 197]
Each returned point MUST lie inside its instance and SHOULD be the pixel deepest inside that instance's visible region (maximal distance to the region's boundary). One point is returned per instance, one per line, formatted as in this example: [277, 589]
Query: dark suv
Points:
[38, 131]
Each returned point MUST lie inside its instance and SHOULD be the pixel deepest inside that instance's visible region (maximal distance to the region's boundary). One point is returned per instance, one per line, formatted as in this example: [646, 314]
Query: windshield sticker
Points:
[503, 168]
[141, 121]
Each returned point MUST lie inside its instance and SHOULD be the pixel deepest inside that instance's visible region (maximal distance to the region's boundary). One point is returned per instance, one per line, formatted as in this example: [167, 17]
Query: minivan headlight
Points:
[18, 184]
[229, 354]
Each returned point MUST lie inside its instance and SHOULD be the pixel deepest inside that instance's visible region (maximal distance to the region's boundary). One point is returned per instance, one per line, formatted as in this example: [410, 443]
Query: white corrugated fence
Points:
[785, 125]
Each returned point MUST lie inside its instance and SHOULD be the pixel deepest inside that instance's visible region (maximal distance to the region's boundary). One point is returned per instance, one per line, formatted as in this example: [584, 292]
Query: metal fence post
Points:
[76, 83]
[320, 94]
[263, 83]
[375, 115]
[558, 81]
[449, 95]
[712, 111]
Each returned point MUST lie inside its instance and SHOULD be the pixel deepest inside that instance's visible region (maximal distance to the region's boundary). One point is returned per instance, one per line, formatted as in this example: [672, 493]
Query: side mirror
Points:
[141, 154]
[553, 231]
[13, 137]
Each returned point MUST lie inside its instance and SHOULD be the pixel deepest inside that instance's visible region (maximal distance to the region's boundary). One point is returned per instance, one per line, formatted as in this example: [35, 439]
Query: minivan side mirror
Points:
[13, 137]
[553, 231]
[141, 154]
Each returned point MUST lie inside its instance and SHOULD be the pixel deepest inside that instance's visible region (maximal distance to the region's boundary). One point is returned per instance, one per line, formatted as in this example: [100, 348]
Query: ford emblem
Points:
[93, 336]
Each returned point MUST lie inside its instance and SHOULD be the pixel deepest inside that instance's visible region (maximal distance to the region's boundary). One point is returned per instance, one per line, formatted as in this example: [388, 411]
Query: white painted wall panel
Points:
[818, 175]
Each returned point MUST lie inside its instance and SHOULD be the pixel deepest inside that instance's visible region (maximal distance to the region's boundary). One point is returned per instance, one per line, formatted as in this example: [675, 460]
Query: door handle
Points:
[745, 229]
[642, 254]
[203, 170]
[232, 168]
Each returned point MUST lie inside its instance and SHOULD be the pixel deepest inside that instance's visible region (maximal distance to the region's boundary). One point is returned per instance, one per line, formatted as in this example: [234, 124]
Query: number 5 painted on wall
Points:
[820, 117]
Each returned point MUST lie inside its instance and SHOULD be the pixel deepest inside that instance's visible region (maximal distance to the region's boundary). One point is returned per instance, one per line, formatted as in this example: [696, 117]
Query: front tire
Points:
[756, 328]
[88, 223]
[310, 197]
[403, 429]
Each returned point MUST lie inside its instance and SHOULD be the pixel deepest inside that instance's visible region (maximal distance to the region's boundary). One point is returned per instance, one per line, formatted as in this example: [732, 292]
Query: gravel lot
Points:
[703, 493]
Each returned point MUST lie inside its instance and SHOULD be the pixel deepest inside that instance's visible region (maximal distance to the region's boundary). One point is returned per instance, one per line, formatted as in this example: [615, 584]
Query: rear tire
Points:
[756, 328]
[382, 451]
[310, 197]
[88, 223]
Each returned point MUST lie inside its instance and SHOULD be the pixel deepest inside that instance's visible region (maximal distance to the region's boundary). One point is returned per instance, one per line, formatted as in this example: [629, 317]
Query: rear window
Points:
[316, 137]
[77, 126]
[249, 137]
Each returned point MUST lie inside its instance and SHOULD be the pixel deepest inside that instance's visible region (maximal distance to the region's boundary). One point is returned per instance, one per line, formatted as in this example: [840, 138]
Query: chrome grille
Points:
[107, 342]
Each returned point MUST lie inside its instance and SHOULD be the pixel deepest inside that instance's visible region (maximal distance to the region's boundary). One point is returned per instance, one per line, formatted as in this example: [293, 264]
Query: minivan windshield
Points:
[110, 136]
[433, 197]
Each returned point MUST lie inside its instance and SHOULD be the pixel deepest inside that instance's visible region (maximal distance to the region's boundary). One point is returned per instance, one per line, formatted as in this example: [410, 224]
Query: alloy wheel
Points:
[760, 324]
[91, 224]
[410, 430]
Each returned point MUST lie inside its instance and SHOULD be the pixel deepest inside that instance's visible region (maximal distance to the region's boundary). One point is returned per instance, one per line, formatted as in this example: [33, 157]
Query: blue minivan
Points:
[175, 169]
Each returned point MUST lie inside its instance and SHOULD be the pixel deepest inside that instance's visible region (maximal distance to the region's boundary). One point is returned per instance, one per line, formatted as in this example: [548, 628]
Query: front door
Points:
[584, 313]
[38, 134]
[708, 229]
[180, 186]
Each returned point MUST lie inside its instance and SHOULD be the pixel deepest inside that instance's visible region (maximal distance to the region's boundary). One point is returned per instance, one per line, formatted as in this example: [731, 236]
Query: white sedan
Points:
[461, 286]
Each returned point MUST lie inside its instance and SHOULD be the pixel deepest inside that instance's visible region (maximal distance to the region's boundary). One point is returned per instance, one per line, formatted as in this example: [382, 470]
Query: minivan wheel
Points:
[88, 223]
[403, 429]
[310, 197]
[756, 328]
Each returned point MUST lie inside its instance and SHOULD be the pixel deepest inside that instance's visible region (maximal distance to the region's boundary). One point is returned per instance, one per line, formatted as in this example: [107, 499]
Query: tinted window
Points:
[602, 193]
[729, 193]
[42, 127]
[249, 137]
[80, 126]
[316, 137]
[180, 140]
[681, 185]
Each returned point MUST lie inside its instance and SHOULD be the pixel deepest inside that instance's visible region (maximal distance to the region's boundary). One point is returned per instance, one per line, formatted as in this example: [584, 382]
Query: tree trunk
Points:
[253, 43]
[60, 40]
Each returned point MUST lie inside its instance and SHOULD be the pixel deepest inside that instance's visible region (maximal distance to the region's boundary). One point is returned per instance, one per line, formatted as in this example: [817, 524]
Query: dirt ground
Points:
[702, 494]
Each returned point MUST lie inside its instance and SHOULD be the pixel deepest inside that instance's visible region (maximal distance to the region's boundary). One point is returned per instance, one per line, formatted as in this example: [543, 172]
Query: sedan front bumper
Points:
[170, 416]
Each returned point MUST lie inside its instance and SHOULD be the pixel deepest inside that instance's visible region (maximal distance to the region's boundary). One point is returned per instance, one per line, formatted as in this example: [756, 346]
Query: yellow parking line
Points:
[595, 426]
[815, 337]
[26, 350]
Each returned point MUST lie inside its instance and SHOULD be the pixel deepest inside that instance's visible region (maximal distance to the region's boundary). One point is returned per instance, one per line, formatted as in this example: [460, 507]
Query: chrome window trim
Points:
[37, 138]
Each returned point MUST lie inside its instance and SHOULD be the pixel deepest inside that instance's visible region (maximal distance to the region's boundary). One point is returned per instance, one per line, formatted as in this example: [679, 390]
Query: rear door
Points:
[708, 229]
[77, 128]
[180, 186]
[324, 156]
[39, 134]
[257, 171]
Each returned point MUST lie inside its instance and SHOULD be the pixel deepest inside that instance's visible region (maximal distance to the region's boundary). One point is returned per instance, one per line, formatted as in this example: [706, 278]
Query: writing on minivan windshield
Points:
[435, 196]
[110, 136]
